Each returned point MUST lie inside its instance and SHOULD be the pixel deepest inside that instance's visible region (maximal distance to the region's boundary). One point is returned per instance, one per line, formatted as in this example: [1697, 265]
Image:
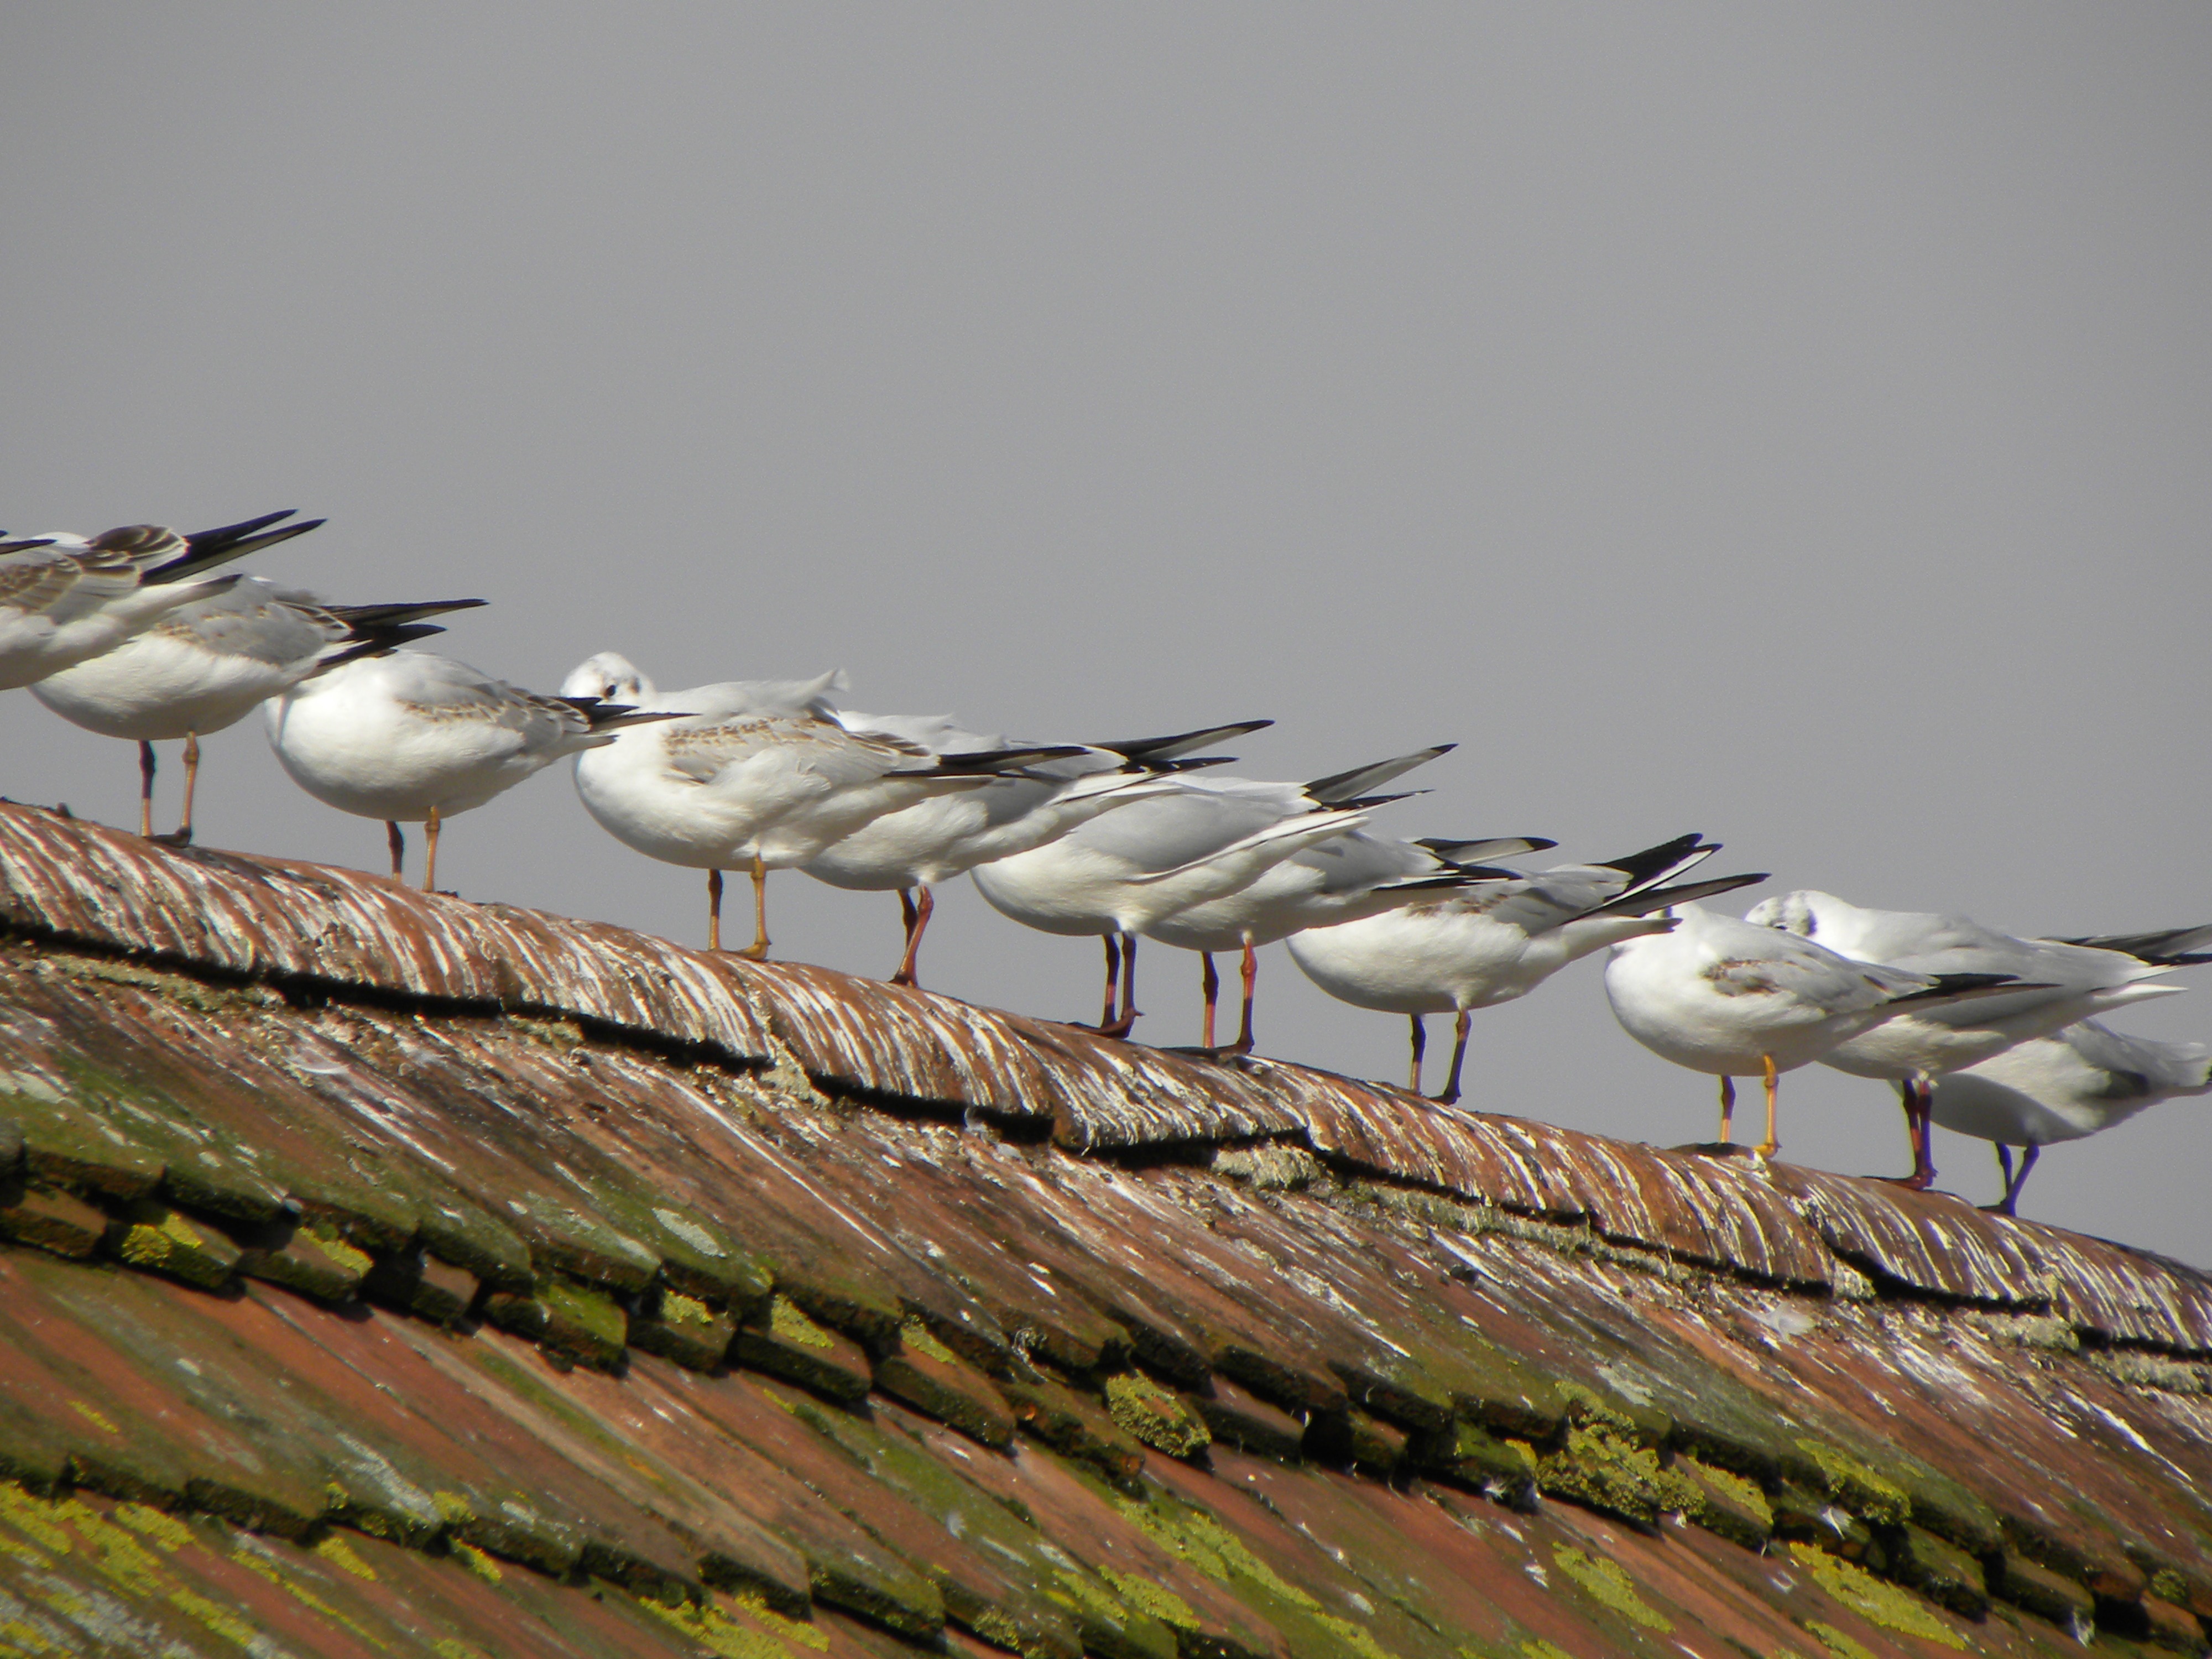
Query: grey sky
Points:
[1790, 423]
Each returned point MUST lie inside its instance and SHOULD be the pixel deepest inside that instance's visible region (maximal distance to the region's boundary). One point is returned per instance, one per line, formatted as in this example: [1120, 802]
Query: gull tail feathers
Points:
[1642, 901]
[1148, 751]
[205, 550]
[1341, 788]
[2171, 947]
[1668, 858]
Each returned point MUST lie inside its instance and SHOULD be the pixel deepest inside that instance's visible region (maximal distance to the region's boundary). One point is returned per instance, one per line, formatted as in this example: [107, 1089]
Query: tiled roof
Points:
[390, 1274]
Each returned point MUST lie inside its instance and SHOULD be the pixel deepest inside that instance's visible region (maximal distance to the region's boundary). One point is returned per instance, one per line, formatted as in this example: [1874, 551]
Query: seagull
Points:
[2071, 982]
[2062, 1087]
[205, 666]
[411, 737]
[1118, 874]
[65, 599]
[926, 844]
[1342, 880]
[1720, 994]
[1480, 941]
[758, 773]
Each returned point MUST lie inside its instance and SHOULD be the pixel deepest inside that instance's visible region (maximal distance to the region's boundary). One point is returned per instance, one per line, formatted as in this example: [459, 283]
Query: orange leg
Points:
[430, 855]
[1244, 1045]
[1768, 1148]
[714, 909]
[757, 950]
[1209, 983]
[1728, 1111]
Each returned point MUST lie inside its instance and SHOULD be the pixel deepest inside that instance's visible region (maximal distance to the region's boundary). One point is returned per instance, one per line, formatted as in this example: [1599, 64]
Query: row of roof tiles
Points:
[304, 926]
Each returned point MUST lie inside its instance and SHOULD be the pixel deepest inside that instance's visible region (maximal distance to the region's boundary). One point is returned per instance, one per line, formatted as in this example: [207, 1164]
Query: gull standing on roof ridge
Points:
[410, 737]
[65, 599]
[1343, 879]
[1719, 995]
[756, 774]
[1118, 874]
[1496, 935]
[2066, 1086]
[922, 846]
[2062, 982]
[205, 666]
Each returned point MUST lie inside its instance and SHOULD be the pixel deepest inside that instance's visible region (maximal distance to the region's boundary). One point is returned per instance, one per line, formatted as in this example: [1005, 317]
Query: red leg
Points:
[923, 908]
[396, 839]
[1209, 985]
[146, 790]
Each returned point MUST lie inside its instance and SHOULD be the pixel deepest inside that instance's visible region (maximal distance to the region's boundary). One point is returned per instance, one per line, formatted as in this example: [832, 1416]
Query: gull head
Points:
[611, 677]
[1797, 913]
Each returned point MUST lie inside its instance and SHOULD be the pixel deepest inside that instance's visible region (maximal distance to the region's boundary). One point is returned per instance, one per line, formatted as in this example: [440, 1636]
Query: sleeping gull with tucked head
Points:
[1719, 995]
[1497, 935]
[2072, 1083]
[2062, 982]
[65, 599]
[413, 738]
[756, 774]
[202, 667]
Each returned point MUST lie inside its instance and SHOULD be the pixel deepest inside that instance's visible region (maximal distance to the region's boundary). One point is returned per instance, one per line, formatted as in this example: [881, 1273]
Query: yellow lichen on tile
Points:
[1876, 1602]
[1146, 1596]
[329, 1243]
[166, 1531]
[788, 1321]
[478, 1562]
[804, 1632]
[35, 1517]
[1609, 1582]
[716, 1631]
[677, 1309]
[340, 1554]
[217, 1618]
[916, 1336]
[453, 1509]
[98, 1419]
[448, 1647]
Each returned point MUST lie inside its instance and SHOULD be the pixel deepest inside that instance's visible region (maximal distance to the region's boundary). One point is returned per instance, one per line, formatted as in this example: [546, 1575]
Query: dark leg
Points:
[906, 910]
[757, 950]
[146, 790]
[1420, 1047]
[714, 909]
[396, 839]
[2009, 1204]
[1450, 1095]
[1251, 980]
[1728, 1111]
[1209, 985]
[1113, 979]
[430, 853]
[924, 906]
[1118, 1025]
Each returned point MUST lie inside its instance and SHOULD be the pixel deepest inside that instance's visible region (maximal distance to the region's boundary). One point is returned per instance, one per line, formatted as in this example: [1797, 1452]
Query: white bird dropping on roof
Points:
[204, 666]
[1491, 940]
[754, 773]
[65, 599]
[1117, 875]
[411, 737]
[2061, 982]
[2073, 1083]
[1719, 995]
[921, 847]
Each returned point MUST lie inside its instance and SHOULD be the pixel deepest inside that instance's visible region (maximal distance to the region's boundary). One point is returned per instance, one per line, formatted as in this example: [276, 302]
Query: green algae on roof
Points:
[1857, 1487]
